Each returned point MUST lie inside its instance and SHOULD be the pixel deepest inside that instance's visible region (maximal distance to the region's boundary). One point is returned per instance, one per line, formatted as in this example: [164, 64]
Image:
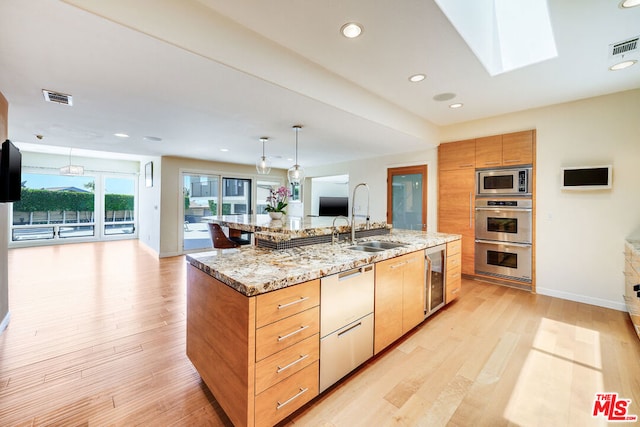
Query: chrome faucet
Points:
[335, 235]
[353, 211]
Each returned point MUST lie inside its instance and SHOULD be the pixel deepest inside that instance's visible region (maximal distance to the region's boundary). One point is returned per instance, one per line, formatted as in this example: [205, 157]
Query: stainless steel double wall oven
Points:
[504, 223]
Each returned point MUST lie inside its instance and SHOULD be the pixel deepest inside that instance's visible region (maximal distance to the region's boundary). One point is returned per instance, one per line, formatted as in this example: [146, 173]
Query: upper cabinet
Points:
[517, 148]
[457, 155]
[510, 149]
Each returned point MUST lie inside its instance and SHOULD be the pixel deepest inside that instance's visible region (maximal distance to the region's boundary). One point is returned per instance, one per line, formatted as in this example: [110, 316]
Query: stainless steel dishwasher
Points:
[346, 323]
[435, 258]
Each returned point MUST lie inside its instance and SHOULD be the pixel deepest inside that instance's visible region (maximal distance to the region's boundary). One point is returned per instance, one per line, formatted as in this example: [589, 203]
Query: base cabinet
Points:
[453, 271]
[399, 298]
[259, 356]
[632, 285]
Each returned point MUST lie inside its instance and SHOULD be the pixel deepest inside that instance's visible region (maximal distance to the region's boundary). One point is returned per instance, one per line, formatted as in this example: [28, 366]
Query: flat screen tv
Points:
[333, 206]
[10, 172]
[587, 178]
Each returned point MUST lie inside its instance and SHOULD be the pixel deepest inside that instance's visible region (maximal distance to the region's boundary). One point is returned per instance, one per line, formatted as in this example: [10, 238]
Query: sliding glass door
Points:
[200, 194]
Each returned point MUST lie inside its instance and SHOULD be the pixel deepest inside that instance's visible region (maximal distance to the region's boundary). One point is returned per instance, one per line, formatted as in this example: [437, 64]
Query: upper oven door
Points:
[503, 224]
[503, 182]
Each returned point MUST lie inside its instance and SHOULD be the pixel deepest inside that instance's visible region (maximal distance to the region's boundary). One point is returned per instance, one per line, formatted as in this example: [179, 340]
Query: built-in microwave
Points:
[504, 182]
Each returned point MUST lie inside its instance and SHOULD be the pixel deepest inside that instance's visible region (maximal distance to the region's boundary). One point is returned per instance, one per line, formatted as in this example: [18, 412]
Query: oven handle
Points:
[501, 209]
[491, 242]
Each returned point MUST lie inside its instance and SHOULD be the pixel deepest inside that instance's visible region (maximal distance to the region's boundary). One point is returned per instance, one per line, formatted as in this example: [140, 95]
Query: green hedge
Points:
[33, 200]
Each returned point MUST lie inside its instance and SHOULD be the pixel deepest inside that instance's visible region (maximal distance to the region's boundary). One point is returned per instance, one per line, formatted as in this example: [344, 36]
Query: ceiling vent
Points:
[57, 97]
[625, 47]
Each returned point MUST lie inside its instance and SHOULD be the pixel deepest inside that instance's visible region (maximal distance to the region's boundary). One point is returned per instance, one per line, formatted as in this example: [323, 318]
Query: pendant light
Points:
[296, 173]
[72, 170]
[263, 165]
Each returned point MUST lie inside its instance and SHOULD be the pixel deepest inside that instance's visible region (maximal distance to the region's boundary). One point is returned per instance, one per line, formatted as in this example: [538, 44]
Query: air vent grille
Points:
[626, 46]
[57, 97]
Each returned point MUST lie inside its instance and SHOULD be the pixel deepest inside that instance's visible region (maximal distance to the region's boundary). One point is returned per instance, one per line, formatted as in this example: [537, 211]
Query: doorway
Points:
[407, 197]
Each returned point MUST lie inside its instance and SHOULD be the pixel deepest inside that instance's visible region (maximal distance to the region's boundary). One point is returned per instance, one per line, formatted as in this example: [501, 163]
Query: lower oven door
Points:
[502, 259]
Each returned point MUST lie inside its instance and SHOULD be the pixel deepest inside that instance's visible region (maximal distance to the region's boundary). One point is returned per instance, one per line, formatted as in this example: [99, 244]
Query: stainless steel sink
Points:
[381, 245]
[365, 248]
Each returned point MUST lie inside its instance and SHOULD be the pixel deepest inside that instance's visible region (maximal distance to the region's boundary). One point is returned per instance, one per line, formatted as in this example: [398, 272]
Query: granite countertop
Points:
[289, 227]
[252, 270]
[634, 244]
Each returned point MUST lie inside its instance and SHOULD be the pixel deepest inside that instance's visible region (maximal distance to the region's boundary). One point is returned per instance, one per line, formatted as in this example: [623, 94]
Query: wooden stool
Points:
[219, 239]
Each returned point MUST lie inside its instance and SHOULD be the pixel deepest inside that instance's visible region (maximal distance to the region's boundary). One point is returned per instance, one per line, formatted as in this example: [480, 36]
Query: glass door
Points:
[119, 206]
[407, 197]
[200, 193]
[236, 196]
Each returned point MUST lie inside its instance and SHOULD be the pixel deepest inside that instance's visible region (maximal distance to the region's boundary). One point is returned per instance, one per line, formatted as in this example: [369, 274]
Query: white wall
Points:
[374, 173]
[149, 205]
[580, 235]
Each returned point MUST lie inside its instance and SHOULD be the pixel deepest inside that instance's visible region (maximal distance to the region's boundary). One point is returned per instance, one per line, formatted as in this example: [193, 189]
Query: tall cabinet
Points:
[457, 164]
[456, 190]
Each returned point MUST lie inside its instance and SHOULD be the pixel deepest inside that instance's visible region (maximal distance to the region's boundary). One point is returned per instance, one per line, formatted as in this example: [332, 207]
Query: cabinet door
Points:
[413, 290]
[457, 155]
[517, 148]
[456, 190]
[388, 302]
[489, 151]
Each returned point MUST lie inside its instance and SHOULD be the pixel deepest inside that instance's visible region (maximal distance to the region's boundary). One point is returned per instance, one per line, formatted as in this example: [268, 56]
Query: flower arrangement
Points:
[277, 200]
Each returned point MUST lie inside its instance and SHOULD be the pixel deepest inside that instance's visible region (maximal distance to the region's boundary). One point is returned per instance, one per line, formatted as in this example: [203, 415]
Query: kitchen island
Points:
[253, 317]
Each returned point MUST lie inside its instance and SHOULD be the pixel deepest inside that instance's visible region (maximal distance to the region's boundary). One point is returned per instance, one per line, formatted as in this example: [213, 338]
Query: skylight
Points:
[503, 34]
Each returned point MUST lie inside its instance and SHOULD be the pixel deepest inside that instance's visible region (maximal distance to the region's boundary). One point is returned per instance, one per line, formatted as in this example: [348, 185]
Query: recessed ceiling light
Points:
[417, 78]
[121, 135]
[351, 30]
[152, 138]
[456, 105]
[447, 96]
[224, 150]
[622, 65]
[629, 3]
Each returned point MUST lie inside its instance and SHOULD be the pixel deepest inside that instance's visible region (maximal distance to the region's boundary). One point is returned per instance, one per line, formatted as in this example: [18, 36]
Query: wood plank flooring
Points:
[97, 337]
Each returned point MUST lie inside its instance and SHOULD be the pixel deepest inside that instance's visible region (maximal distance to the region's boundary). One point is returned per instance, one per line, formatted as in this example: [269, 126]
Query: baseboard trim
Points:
[615, 305]
[5, 322]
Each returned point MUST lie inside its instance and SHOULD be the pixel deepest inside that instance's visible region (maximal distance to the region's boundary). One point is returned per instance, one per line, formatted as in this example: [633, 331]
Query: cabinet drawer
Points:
[453, 262]
[282, 334]
[281, 400]
[287, 362]
[454, 248]
[453, 283]
[273, 306]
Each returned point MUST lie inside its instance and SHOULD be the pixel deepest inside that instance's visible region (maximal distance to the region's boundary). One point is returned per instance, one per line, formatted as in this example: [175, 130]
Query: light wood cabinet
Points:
[259, 356]
[399, 298]
[632, 281]
[457, 155]
[511, 149]
[489, 151]
[456, 214]
[517, 148]
[453, 276]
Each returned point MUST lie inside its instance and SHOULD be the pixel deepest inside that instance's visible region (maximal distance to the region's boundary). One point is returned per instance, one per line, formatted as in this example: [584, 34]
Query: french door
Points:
[407, 197]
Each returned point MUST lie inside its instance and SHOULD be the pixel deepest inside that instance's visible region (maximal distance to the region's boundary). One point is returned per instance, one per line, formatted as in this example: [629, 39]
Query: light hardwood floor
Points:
[97, 337]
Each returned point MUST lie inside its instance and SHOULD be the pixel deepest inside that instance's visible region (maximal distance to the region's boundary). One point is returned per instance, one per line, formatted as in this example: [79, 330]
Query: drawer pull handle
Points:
[292, 398]
[290, 334]
[350, 329]
[298, 360]
[289, 304]
[400, 264]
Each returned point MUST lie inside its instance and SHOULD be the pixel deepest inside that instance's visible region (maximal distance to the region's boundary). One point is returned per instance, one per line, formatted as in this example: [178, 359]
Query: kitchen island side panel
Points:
[220, 337]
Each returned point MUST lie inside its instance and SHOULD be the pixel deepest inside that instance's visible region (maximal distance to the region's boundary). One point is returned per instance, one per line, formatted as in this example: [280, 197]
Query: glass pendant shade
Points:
[263, 165]
[296, 173]
[72, 170]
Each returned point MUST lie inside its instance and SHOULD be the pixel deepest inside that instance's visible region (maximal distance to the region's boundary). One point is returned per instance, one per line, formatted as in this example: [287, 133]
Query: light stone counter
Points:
[253, 270]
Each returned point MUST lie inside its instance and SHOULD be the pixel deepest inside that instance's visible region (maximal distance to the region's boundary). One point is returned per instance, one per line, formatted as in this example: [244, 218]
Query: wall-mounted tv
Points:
[587, 177]
[333, 206]
[10, 172]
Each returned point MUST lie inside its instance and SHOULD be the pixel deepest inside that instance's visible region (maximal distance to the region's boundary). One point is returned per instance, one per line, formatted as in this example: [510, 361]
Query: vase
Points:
[276, 215]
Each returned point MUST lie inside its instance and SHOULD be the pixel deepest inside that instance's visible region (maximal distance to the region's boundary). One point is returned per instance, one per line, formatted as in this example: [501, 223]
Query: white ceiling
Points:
[210, 74]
